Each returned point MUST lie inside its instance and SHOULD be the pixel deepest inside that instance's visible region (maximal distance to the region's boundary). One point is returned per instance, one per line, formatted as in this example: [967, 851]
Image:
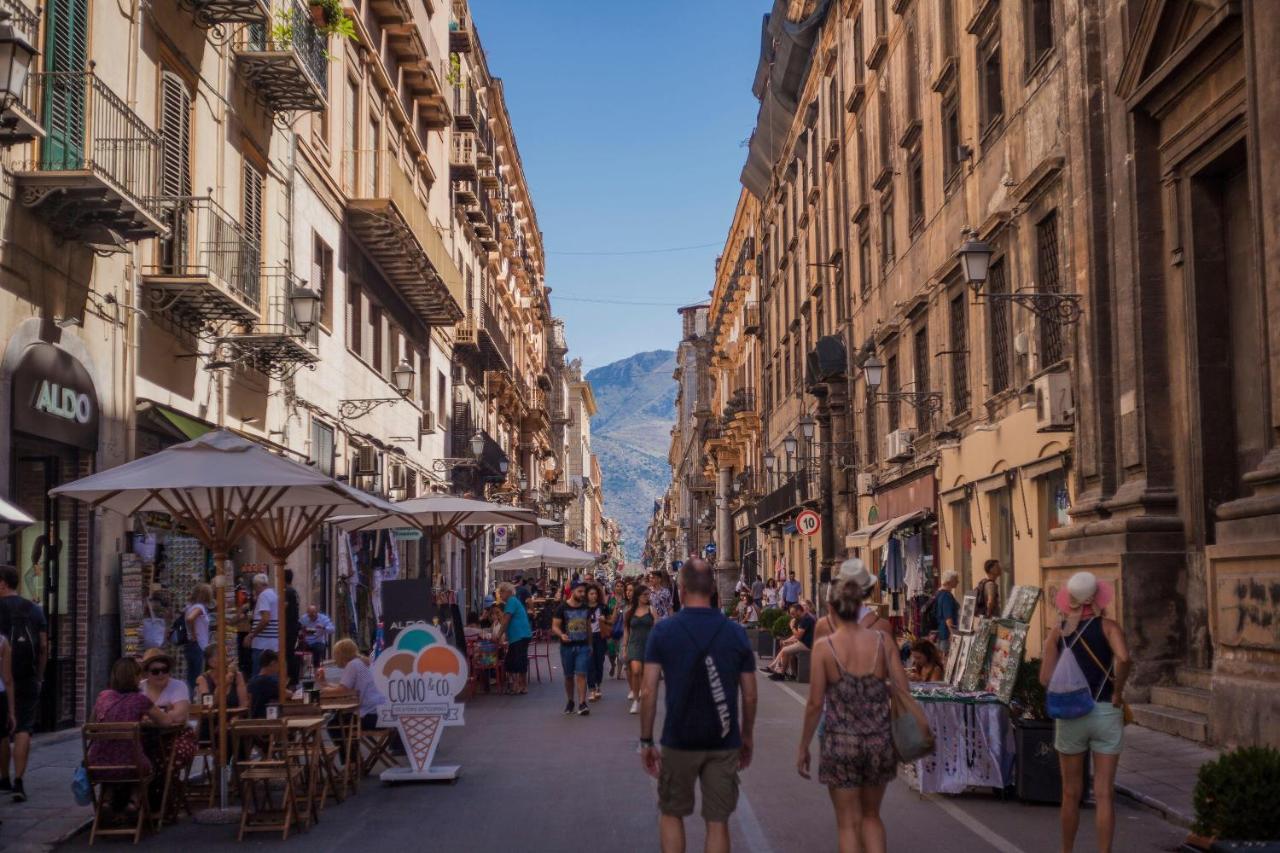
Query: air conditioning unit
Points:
[398, 478]
[366, 460]
[866, 484]
[897, 445]
[427, 425]
[1055, 408]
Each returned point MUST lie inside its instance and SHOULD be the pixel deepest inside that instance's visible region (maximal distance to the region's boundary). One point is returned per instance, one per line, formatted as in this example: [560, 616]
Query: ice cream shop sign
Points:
[54, 397]
[421, 674]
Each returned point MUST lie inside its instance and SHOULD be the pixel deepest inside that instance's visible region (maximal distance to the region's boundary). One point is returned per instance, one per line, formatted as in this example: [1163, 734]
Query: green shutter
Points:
[65, 89]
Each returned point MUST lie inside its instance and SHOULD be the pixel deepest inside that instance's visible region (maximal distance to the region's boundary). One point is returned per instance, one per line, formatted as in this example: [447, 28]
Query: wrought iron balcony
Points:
[285, 60]
[390, 221]
[276, 347]
[214, 13]
[460, 36]
[18, 121]
[97, 172]
[466, 194]
[466, 108]
[465, 334]
[493, 341]
[207, 269]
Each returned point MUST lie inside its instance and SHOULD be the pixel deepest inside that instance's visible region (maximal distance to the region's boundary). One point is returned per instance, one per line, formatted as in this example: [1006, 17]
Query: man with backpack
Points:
[705, 659]
[23, 624]
[988, 590]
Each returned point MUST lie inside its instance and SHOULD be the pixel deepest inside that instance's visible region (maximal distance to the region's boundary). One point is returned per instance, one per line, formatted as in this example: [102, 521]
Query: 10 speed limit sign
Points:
[808, 522]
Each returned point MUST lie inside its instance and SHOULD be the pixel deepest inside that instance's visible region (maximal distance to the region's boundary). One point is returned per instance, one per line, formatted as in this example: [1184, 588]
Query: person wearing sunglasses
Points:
[167, 693]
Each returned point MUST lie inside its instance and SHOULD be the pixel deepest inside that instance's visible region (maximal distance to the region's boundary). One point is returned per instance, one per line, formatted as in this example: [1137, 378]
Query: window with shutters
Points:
[1051, 349]
[892, 386]
[913, 70]
[947, 23]
[175, 136]
[915, 190]
[869, 446]
[424, 381]
[865, 274]
[887, 250]
[920, 352]
[350, 135]
[859, 67]
[999, 329]
[322, 447]
[442, 389]
[355, 318]
[959, 321]
[65, 54]
[252, 189]
[990, 79]
[322, 278]
[1038, 15]
[951, 140]
[376, 338]
[886, 130]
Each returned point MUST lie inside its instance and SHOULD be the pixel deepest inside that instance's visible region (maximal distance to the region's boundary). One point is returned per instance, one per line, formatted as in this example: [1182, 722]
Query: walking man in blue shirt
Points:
[790, 591]
[705, 660]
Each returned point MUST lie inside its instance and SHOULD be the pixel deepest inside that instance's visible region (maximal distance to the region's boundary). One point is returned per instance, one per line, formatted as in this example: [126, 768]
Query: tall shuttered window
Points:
[999, 329]
[1051, 349]
[252, 189]
[175, 172]
[65, 54]
[959, 354]
[920, 352]
[892, 386]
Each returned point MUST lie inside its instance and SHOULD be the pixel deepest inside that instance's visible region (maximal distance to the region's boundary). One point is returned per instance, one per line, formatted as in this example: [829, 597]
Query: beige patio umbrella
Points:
[220, 488]
[439, 515]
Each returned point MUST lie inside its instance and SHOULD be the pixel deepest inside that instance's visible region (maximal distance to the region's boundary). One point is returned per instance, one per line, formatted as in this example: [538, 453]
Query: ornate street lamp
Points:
[770, 461]
[873, 372]
[403, 376]
[477, 444]
[16, 54]
[975, 259]
[304, 302]
[789, 444]
[807, 427]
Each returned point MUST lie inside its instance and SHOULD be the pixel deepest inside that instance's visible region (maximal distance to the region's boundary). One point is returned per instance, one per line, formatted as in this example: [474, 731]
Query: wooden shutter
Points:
[175, 135]
[66, 56]
[252, 190]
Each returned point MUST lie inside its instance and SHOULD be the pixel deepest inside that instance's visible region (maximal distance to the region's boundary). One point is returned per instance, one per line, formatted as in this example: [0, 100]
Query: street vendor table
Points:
[975, 743]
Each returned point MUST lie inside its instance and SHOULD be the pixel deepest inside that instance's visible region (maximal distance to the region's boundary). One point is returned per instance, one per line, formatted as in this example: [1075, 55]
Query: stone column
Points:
[726, 565]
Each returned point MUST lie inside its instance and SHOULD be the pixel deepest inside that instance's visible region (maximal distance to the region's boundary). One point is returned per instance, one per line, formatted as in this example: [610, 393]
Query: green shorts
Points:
[1101, 730]
[716, 770]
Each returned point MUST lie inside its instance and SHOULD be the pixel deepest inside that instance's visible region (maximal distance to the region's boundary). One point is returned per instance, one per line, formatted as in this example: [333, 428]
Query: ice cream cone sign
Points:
[422, 675]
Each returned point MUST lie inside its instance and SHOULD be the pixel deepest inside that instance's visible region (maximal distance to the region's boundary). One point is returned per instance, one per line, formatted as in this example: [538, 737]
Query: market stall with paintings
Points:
[969, 710]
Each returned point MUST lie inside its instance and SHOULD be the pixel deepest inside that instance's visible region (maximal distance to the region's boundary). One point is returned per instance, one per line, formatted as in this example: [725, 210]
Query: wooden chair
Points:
[263, 764]
[375, 744]
[128, 766]
[539, 651]
[311, 778]
[342, 754]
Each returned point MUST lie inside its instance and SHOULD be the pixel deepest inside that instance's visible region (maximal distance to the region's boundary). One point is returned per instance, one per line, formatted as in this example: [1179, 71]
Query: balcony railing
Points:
[462, 159]
[18, 121]
[207, 269]
[390, 220]
[494, 340]
[460, 28]
[276, 347]
[466, 108]
[286, 60]
[24, 20]
[97, 173]
[211, 13]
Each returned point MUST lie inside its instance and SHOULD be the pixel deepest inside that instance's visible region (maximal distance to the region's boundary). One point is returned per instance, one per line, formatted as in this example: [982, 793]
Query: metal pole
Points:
[281, 638]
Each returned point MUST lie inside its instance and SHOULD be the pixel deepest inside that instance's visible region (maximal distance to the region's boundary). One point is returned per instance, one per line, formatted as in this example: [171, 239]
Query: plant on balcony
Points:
[331, 20]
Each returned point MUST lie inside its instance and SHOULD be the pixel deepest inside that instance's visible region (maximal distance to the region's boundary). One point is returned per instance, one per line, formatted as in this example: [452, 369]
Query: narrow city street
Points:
[535, 780]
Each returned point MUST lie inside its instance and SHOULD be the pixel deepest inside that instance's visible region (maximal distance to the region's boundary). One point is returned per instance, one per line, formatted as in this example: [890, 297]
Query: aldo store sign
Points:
[54, 397]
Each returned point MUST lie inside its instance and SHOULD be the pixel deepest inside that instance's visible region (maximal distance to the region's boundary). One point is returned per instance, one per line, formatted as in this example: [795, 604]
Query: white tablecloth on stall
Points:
[975, 748]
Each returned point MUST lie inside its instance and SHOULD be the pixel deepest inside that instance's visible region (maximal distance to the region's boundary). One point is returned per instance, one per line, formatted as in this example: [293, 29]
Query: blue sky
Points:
[630, 118]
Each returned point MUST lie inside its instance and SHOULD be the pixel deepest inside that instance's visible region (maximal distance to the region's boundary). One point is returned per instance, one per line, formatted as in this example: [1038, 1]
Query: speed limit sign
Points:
[808, 522]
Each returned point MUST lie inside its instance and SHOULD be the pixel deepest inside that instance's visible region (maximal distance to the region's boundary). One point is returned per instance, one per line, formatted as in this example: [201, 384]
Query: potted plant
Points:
[1234, 800]
[1036, 775]
[329, 18]
[764, 636]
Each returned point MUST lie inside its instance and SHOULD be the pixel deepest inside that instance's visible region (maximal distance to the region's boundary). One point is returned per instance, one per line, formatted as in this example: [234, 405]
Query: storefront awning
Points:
[881, 536]
[861, 537]
[180, 426]
[11, 517]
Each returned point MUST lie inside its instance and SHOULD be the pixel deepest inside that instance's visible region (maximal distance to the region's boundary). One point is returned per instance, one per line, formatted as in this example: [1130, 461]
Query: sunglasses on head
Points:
[158, 670]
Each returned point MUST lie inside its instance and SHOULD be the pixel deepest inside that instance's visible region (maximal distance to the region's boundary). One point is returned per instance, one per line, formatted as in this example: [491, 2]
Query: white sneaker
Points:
[631, 696]
[635, 707]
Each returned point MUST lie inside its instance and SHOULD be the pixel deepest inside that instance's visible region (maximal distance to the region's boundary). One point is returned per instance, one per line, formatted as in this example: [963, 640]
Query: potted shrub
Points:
[1234, 800]
[329, 18]
[764, 635]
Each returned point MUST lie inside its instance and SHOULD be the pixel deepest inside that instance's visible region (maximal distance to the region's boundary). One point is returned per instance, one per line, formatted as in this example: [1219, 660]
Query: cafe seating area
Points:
[282, 771]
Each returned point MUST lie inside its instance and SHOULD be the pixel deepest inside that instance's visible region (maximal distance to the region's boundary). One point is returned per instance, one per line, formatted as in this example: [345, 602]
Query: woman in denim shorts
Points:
[1099, 648]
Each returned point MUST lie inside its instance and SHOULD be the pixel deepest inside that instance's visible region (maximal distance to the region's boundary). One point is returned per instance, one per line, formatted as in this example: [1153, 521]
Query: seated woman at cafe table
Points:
[122, 702]
[165, 692]
[208, 684]
[357, 678]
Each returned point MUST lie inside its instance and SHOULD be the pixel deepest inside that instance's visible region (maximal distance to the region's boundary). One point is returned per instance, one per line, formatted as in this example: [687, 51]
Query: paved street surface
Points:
[534, 780]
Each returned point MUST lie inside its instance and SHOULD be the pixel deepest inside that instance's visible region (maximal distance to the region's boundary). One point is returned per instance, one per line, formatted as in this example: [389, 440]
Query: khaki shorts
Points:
[1101, 731]
[716, 769]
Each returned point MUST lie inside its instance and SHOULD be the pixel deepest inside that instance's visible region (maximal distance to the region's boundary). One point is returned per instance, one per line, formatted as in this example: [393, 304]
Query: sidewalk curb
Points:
[1168, 812]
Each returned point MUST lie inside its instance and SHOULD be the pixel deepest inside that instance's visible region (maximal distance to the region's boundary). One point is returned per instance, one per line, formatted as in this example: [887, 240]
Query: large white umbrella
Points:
[221, 487]
[12, 518]
[437, 515]
[543, 553]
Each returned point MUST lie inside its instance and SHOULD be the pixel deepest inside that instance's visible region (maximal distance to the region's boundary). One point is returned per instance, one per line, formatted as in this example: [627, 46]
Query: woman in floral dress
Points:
[848, 690]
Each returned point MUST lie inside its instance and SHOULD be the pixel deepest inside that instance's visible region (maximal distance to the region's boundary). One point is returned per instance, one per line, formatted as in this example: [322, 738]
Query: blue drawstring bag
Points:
[80, 787]
[1068, 696]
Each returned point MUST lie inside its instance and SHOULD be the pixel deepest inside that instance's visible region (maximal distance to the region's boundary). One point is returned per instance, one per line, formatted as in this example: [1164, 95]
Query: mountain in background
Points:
[635, 409]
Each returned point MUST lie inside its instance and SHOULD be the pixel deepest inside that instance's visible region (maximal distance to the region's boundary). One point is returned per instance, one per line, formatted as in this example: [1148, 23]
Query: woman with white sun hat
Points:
[1098, 645]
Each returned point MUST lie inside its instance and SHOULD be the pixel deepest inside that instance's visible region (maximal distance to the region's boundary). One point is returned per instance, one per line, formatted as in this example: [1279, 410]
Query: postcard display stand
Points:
[969, 711]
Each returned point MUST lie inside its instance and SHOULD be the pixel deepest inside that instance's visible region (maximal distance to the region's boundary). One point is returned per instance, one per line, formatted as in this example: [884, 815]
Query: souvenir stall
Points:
[969, 710]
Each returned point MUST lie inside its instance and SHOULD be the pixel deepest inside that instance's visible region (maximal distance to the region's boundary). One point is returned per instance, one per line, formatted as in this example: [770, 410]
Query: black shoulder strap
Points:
[703, 651]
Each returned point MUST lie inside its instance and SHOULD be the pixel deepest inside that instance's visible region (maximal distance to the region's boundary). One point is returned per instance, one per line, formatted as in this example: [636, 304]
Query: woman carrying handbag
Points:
[858, 689]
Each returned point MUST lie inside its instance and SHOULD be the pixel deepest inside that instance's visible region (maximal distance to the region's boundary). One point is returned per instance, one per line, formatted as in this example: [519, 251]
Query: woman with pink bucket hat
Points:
[1097, 643]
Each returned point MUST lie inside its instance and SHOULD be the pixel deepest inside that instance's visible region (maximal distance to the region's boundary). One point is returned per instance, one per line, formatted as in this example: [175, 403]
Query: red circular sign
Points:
[808, 522]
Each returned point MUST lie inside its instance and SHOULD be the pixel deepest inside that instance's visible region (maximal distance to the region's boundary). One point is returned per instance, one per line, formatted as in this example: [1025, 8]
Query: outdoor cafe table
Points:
[974, 743]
